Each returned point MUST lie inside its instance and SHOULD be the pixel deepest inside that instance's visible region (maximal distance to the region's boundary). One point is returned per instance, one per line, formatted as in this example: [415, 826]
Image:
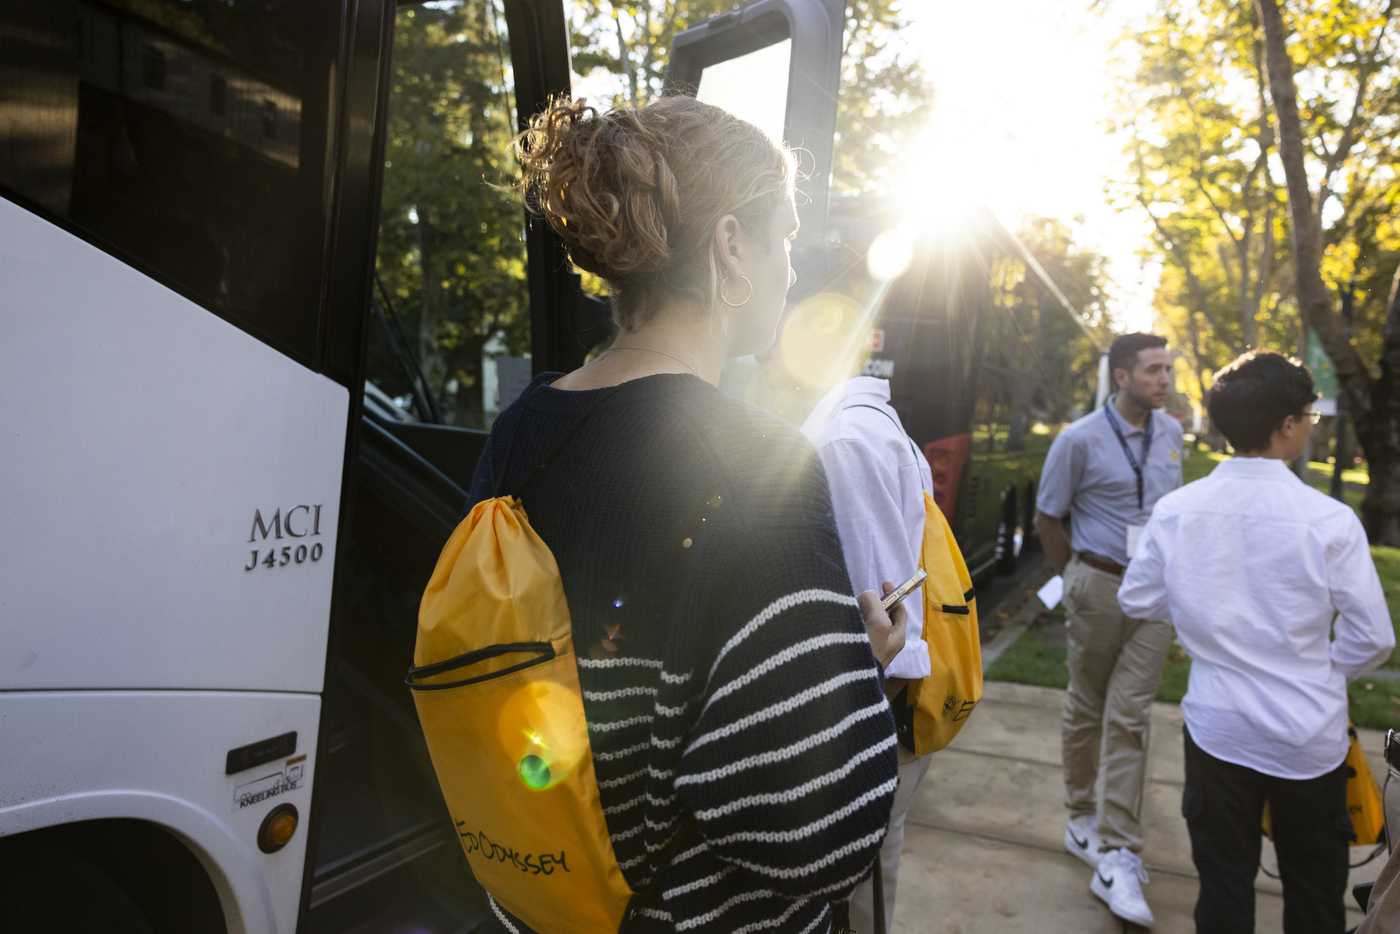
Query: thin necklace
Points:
[662, 352]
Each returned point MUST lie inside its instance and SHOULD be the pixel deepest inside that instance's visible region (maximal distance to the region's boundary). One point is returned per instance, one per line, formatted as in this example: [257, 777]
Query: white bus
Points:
[212, 538]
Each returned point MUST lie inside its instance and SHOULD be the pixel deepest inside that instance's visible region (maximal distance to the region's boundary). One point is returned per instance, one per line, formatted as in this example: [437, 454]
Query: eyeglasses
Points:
[1311, 416]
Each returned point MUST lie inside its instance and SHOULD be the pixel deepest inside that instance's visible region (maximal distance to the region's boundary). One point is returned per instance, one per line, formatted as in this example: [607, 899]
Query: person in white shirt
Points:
[878, 478]
[1251, 564]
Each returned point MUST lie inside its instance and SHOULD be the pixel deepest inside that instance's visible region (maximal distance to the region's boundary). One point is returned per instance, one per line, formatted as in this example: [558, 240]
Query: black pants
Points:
[1223, 805]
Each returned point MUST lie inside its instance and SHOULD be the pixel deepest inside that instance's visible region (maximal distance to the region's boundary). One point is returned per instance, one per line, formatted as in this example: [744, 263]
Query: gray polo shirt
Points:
[1087, 477]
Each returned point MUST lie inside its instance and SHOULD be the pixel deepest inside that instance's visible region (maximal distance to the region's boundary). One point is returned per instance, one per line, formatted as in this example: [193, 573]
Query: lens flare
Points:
[534, 772]
[891, 252]
[542, 729]
[823, 338]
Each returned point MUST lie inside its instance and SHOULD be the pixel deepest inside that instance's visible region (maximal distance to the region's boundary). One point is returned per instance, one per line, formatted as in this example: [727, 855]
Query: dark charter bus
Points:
[225, 477]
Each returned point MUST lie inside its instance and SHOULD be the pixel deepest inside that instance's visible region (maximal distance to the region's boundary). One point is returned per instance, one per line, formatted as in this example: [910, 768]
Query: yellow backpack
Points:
[939, 704]
[497, 691]
[1364, 803]
[944, 699]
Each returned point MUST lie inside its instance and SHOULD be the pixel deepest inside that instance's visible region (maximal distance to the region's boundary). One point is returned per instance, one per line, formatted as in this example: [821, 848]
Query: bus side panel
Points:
[160, 756]
[171, 484]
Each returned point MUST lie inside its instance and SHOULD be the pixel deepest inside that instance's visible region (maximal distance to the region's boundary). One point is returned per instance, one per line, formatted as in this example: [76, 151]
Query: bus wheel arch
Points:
[138, 874]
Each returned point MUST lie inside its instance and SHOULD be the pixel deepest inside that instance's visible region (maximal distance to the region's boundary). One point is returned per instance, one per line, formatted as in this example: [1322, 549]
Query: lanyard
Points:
[1146, 444]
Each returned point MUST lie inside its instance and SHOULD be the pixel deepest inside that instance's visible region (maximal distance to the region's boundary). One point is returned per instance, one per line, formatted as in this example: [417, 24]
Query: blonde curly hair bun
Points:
[636, 194]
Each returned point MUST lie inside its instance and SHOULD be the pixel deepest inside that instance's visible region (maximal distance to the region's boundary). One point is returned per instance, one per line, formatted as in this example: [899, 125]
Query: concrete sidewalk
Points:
[984, 843]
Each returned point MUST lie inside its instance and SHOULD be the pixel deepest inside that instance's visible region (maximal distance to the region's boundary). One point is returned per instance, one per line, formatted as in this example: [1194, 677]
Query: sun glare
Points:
[892, 251]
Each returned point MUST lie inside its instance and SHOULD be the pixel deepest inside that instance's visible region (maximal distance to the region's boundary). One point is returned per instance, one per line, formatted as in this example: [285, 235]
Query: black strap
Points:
[878, 891]
[541, 652]
[558, 446]
[862, 405]
[687, 835]
[956, 610]
[1146, 444]
[841, 911]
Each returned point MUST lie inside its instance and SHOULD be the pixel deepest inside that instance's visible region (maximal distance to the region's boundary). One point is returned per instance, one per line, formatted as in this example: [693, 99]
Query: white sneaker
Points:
[1119, 881]
[1082, 838]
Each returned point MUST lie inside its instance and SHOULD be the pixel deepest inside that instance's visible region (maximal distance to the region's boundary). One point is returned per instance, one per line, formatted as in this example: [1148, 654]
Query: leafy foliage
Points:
[885, 94]
[451, 249]
[451, 254]
[1202, 141]
[1052, 364]
[885, 99]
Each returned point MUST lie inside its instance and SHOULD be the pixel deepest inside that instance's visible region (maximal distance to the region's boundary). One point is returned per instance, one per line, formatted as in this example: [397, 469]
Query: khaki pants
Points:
[1115, 664]
[912, 770]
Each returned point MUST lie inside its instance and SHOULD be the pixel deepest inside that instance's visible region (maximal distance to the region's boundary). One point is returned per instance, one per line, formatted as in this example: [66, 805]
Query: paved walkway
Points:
[984, 844]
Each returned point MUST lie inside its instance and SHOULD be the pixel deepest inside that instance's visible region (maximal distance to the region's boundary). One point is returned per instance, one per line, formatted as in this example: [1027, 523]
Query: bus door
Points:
[384, 843]
[468, 297]
[777, 64]
[186, 217]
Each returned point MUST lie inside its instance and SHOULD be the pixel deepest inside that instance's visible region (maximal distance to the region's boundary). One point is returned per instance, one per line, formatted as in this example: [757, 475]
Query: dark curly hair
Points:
[1252, 396]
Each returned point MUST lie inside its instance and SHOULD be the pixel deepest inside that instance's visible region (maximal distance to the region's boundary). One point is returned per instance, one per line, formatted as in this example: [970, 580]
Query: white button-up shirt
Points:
[1250, 564]
[877, 478]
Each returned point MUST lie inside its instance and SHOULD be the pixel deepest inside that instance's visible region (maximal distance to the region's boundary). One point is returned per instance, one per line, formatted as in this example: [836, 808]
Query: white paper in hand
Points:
[1051, 593]
[1134, 536]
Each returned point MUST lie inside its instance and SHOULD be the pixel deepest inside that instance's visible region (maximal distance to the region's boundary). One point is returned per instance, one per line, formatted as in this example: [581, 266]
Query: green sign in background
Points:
[1324, 375]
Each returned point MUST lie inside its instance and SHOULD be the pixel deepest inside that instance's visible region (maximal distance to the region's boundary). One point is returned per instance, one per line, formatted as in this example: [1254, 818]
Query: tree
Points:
[451, 253]
[1200, 139]
[1051, 365]
[885, 95]
[1347, 149]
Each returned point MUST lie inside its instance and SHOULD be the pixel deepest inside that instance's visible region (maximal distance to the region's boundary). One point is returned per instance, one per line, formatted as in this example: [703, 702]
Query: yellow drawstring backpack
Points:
[944, 699]
[939, 704]
[497, 691]
[1364, 803]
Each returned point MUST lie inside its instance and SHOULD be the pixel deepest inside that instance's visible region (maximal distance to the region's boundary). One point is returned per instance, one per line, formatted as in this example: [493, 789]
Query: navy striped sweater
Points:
[724, 667]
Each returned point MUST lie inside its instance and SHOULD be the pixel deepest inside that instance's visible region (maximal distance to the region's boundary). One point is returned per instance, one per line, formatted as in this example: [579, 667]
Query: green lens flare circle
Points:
[534, 772]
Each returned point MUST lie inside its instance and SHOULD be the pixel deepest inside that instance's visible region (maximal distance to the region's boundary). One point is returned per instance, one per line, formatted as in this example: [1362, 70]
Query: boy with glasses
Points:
[1251, 564]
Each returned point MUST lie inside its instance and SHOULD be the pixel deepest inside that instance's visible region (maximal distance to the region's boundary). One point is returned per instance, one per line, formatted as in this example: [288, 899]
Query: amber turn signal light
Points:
[277, 828]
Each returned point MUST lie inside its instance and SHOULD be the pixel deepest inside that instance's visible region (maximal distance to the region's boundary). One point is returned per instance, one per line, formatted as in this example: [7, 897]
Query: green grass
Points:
[1029, 660]
[1360, 474]
[1374, 703]
[1202, 460]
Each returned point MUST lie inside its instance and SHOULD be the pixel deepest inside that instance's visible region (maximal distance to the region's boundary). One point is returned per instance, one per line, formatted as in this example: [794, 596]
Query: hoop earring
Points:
[726, 297]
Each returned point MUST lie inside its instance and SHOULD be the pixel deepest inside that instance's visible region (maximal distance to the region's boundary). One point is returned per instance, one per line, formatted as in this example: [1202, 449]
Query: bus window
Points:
[451, 324]
[449, 297]
[188, 137]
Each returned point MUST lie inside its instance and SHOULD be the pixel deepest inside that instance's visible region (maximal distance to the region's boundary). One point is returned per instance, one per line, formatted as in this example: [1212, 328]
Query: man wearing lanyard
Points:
[1105, 472]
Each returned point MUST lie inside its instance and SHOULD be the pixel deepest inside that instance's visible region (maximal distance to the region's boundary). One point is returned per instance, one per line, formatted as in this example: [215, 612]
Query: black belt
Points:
[1102, 564]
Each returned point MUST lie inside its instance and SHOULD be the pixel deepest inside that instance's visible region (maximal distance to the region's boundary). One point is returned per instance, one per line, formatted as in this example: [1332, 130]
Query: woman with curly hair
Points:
[731, 690]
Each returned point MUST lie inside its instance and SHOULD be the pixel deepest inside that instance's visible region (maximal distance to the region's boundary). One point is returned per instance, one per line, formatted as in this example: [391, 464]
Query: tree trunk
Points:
[1374, 405]
[1314, 301]
[1023, 394]
[1266, 271]
[1379, 434]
